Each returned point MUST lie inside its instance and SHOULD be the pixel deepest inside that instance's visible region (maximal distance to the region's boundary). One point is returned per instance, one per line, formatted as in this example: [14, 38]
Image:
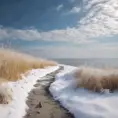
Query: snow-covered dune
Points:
[80, 102]
[21, 88]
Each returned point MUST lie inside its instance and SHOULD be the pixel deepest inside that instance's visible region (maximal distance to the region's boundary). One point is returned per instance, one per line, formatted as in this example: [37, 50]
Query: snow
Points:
[17, 108]
[80, 102]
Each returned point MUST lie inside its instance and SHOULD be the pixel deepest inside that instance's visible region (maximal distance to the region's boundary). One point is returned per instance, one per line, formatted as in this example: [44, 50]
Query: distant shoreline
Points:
[94, 62]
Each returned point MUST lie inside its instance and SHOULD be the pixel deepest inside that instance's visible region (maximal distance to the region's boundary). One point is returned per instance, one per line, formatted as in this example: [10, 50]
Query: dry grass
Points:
[5, 94]
[12, 64]
[97, 79]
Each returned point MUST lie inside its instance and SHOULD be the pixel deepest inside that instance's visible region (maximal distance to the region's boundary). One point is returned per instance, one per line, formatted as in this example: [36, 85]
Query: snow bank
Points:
[16, 109]
[80, 102]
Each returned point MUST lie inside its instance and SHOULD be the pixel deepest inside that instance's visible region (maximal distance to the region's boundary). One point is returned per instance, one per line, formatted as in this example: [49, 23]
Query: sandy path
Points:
[41, 103]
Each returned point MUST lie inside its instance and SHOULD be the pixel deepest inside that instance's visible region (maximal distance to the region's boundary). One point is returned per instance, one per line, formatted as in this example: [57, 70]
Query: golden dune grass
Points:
[97, 79]
[12, 64]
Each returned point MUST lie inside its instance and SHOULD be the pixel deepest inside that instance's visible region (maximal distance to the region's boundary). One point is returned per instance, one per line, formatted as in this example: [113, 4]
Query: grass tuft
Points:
[97, 80]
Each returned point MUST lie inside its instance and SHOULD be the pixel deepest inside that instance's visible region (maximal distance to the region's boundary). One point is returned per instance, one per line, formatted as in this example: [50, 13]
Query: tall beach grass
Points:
[13, 64]
[97, 80]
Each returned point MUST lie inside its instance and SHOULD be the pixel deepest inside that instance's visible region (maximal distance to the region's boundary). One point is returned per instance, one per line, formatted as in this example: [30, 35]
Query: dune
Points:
[80, 101]
[12, 65]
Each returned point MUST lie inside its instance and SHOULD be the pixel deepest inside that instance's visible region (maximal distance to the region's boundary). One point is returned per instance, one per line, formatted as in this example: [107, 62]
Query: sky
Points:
[60, 28]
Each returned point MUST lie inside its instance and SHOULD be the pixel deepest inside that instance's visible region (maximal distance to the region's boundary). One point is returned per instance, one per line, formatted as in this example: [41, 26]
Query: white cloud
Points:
[10, 33]
[59, 7]
[71, 1]
[75, 10]
[101, 19]
[95, 51]
[69, 34]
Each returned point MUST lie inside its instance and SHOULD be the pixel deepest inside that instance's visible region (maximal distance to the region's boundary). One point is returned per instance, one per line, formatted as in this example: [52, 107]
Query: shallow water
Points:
[107, 62]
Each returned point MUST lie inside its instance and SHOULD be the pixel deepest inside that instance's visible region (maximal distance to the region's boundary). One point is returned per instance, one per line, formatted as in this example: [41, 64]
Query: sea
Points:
[94, 62]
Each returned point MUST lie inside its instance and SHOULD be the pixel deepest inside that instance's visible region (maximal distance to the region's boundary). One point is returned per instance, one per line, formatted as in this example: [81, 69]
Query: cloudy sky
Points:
[60, 28]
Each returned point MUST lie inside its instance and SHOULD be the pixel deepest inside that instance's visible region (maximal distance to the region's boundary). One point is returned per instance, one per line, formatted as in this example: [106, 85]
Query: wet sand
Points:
[40, 102]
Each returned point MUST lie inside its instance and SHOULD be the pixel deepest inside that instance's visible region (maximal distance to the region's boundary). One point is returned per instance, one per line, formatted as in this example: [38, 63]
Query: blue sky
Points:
[60, 28]
[40, 14]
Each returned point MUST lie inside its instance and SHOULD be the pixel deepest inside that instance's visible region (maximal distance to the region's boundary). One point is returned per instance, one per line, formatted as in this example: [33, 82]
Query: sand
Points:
[40, 102]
